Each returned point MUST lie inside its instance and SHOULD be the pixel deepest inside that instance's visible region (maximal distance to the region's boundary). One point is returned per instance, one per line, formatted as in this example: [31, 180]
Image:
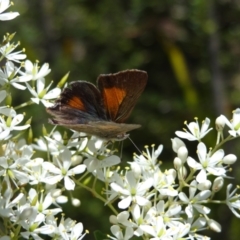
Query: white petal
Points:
[185, 135]
[202, 152]
[202, 176]
[28, 66]
[40, 84]
[8, 16]
[141, 200]
[77, 170]
[18, 86]
[69, 183]
[183, 197]
[125, 203]
[54, 93]
[193, 163]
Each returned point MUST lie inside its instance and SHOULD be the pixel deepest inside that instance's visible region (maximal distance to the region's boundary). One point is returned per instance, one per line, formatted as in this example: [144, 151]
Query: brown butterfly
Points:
[100, 111]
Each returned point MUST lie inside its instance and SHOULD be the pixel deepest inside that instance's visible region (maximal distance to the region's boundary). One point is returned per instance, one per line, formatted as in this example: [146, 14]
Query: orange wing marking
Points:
[77, 103]
[113, 99]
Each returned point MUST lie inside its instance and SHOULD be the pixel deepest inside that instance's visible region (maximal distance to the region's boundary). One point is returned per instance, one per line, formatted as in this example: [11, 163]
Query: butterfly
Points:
[100, 110]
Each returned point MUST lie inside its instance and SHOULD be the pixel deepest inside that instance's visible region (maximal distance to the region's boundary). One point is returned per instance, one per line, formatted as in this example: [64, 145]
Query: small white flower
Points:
[42, 203]
[11, 124]
[194, 201]
[42, 95]
[133, 191]
[32, 71]
[5, 4]
[118, 233]
[195, 132]
[233, 200]
[7, 51]
[8, 76]
[234, 124]
[148, 161]
[62, 170]
[164, 182]
[208, 163]
[69, 230]
[158, 229]
[8, 202]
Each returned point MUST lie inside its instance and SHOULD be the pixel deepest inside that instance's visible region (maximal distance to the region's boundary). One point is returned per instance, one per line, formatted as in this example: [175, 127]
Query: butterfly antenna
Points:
[134, 145]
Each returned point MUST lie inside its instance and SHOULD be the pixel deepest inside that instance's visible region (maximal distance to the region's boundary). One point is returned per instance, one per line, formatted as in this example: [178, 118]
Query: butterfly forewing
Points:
[125, 88]
[80, 103]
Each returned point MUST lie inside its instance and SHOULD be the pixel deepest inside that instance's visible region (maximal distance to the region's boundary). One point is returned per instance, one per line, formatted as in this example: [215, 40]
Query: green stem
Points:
[30, 102]
[98, 196]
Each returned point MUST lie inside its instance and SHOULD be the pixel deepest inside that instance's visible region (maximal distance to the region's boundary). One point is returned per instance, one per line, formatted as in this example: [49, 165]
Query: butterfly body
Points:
[101, 110]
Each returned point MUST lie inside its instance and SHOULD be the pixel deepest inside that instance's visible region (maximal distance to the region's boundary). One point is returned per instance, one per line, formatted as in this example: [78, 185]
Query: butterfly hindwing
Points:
[120, 92]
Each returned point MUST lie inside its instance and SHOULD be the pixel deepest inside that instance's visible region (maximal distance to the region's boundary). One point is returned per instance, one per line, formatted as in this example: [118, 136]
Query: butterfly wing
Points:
[102, 129]
[120, 92]
[78, 104]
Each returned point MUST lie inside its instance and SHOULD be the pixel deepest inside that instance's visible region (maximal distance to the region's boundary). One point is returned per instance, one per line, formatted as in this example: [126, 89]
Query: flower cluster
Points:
[173, 204]
[147, 201]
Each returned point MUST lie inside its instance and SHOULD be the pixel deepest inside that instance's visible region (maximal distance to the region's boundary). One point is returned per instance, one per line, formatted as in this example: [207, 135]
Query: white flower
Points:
[208, 163]
[8, 76]
[195, 132]
[38, 173]
[234, 125]
[133, 191]
[164, 182]
[148, 161]
[8, 202]
[31, 221]
[194, 201]
[118, 233]
[158, 229]
[32, 71]
[42, 95]
[11, 124]
[5, 4]
[13, 163]
[62, 171]
[68, 229]
[233, 200]
[42, 205]
[7, 51]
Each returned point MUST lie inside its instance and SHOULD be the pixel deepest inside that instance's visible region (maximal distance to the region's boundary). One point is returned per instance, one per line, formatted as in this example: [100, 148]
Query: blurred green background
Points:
[190, 49]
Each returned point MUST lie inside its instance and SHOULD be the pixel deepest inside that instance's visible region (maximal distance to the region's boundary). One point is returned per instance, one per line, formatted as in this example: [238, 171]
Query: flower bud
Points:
[204, 185]
[177, 162]
[182, 173]
[76, 202]
[215, 226]
[182, 153]
[220, 123]
[176, 144]
[217, 184]
[172, 173]
[230, 159]
[76, 159]
[113, 219]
